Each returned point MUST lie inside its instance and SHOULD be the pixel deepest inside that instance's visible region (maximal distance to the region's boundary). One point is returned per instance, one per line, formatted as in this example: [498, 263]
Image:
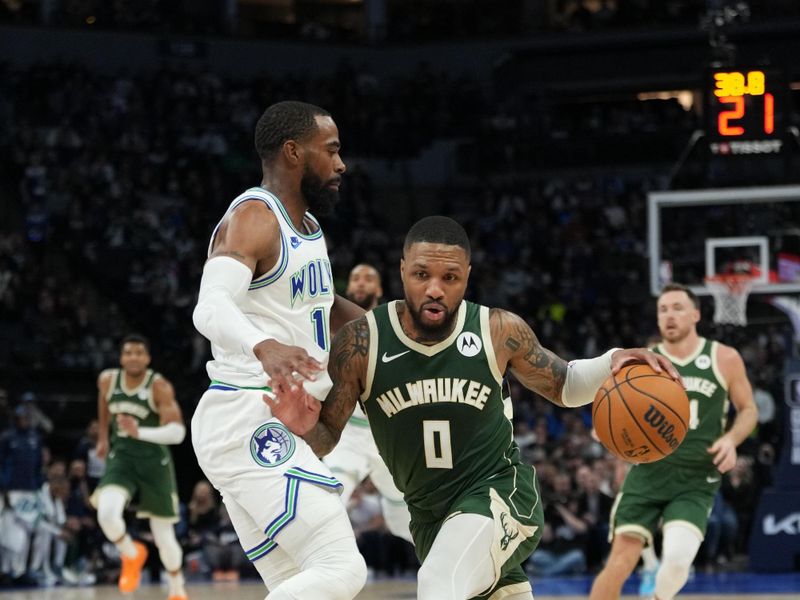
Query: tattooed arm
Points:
[517, 348]
[247, 243]
[347, 368]
[564, 384]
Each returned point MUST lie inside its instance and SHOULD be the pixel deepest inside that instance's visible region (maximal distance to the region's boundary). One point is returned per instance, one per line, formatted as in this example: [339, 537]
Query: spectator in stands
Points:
[86, 452]
[210, 537]
[49, 547]
[561, 550]
[594, 509]
[21, 460]
[723, 527]
[84, 541]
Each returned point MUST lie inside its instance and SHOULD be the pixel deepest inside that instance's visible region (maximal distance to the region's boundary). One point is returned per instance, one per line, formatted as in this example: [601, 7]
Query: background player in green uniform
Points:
[428, 372]
[680, 488]
[137, 406]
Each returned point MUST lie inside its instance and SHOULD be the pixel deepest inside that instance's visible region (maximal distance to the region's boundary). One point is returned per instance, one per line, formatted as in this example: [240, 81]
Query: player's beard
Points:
[365, 302]
[428, 331]
[320, 198]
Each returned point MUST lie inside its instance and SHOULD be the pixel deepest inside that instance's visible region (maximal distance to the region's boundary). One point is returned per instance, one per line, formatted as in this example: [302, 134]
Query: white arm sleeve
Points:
[217, 315]
[169, 434]
[584, 378]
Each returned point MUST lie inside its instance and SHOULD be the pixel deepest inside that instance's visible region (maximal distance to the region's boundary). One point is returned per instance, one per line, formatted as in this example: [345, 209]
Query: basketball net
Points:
[730, 291]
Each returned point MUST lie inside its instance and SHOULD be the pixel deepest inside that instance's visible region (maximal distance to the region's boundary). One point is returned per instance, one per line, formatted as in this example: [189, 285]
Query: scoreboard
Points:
[745, 111]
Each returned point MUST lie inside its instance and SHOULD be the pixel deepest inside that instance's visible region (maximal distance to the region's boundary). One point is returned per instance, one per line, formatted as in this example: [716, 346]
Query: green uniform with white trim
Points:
[132, 464]
[681, 486]
[439, 421]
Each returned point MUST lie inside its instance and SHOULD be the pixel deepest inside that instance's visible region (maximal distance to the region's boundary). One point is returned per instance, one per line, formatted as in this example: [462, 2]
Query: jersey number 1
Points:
[320, 324]
[437, 455]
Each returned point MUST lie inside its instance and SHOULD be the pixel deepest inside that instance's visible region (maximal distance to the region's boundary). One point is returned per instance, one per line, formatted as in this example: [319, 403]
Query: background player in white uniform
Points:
[356, 457]
[267, 304]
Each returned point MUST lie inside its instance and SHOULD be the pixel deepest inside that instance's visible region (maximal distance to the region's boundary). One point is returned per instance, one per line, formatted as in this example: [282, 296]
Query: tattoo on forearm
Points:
[352, 341]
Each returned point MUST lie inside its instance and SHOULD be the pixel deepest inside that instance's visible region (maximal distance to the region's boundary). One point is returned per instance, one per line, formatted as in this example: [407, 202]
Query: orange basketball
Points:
[640, 415]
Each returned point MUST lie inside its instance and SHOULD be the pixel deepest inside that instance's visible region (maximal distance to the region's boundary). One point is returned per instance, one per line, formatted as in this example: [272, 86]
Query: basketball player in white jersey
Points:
[267, 304]
[356, 457]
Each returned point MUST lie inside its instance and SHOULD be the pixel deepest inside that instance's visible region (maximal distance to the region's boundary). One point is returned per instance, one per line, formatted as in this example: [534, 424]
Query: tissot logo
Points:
[788, 525]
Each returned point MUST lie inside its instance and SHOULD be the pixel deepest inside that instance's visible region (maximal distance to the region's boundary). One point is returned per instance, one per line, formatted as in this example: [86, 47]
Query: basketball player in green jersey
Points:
[680, 488]
[138, 407]
[428, 372]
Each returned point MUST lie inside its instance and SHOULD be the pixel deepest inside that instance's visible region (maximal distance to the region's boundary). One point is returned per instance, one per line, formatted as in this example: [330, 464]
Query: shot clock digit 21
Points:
[745, 108]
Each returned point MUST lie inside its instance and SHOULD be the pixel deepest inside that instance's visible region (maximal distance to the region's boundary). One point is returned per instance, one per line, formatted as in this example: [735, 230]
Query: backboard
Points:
[694, 234]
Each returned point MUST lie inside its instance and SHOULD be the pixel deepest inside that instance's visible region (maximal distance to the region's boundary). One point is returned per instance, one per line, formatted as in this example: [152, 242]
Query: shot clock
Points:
[745, 111]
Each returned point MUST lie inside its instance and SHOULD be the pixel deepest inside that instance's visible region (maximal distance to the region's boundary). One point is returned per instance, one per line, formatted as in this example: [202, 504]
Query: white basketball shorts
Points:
[259, 467]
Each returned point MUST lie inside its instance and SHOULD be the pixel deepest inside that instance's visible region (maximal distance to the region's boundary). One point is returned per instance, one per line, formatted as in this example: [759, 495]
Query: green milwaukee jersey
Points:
[437, 412]
[708, 404]
[139, 404]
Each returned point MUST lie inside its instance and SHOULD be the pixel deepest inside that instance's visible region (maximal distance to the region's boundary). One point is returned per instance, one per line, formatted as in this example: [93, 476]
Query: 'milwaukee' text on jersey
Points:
[441, 389]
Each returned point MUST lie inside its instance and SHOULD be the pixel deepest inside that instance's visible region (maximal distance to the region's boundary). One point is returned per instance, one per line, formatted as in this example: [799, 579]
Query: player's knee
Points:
[169, 551]
[349, 575]
[109, 517]
[624, 557]
[339, 568]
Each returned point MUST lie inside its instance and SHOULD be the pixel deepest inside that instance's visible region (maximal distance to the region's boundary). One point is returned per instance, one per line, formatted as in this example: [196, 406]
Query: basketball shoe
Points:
[131, 572]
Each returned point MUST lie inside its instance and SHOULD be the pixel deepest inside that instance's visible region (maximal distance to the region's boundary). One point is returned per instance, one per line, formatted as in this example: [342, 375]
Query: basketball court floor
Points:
[728, 586]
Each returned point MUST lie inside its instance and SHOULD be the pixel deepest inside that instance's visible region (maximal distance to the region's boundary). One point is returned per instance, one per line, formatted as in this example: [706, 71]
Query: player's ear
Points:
[402, 268]
[696, 316]
[293, 152]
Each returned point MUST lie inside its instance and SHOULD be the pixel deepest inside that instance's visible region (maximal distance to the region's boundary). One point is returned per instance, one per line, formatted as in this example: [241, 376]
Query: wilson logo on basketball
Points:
[659, 422]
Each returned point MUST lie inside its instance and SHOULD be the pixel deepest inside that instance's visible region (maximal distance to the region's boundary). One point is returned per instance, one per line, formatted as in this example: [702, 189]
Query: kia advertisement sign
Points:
[775, 538]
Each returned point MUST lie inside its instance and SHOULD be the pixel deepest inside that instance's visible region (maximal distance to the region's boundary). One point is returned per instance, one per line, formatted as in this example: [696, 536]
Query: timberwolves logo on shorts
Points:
[271, 445]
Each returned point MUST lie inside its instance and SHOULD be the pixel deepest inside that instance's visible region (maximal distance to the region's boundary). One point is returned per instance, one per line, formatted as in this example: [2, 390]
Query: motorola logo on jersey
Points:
[469, 344]
[271, 445]
[703, 361]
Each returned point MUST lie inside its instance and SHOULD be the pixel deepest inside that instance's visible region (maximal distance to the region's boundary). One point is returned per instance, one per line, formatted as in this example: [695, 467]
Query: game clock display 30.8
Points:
[744, 104]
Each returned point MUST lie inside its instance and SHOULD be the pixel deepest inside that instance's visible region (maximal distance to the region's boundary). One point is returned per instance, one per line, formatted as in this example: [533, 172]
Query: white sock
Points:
[176, 584]
[649, 558]
[126, 547]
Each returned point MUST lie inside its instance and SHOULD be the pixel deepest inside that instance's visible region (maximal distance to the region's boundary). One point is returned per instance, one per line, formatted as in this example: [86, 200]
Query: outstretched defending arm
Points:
[347, 368]
[248, 238]
[564, 384]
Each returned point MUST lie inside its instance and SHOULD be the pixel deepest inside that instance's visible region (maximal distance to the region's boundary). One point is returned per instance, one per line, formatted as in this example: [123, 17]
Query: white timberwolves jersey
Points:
[291, 303]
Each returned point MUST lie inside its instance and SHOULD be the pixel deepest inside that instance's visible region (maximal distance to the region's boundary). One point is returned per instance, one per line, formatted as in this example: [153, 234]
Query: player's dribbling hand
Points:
[724, 451]
[659, 363]
[281, 362]
[294, 407]
[129, 425]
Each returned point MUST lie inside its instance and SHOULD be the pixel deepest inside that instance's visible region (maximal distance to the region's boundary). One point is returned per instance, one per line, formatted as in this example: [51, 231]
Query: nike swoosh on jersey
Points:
[386, 358]
[712, 479]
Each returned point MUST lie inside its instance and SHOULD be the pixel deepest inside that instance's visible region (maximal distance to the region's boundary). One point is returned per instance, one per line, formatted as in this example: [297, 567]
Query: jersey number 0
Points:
[437, 455]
